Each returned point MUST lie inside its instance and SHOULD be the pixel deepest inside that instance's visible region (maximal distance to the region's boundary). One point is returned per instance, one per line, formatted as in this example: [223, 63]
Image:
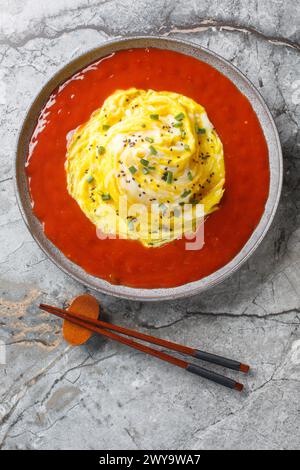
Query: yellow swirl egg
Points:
[156, 151]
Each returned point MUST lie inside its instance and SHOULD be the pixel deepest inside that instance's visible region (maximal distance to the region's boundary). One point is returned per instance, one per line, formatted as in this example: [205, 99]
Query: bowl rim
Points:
[72, 269]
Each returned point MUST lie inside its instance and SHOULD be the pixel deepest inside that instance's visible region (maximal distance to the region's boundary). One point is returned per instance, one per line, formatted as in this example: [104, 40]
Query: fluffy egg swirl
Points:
[157, 150]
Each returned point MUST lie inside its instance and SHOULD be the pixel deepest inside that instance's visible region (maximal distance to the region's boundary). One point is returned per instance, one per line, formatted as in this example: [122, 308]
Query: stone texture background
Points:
[106, 396]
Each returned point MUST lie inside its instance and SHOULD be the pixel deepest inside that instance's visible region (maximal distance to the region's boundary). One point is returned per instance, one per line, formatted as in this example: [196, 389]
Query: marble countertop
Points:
[103, 395]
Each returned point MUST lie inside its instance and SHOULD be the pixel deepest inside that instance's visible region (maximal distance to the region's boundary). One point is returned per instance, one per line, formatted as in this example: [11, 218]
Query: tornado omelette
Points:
[156, 151]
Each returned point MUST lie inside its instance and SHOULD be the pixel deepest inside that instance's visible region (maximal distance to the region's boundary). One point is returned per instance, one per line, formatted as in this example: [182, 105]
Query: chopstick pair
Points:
[104, 329]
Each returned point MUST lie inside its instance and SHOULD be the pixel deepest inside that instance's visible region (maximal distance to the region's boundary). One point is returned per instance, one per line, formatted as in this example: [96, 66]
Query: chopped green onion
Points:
[149, 139]
[105, 127]
[153, 150]
[145, 170]
[101, 150]
[178, 124]
[200, 130]
[144, 162]
[179, 117]
[190, 176]
[132, 169]
[90, 178]
[183, 134]
[169, 177]
[186, 193]
[194, 201]
[186, 147]
[151, 167]
[154, 116]
[105, 197]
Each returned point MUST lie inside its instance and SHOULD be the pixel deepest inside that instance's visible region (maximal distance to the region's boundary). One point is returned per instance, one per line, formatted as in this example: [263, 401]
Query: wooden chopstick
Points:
[203, 355]
[193, 368]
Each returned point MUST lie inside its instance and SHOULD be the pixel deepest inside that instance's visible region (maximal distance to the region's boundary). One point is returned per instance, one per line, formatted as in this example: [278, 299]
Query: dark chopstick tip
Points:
[244, 368]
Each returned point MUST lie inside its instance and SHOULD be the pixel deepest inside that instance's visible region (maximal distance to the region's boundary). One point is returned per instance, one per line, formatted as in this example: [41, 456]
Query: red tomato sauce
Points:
[128, 262]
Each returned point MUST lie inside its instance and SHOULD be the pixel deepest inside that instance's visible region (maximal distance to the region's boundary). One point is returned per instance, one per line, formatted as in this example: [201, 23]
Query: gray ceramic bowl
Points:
[267, 124]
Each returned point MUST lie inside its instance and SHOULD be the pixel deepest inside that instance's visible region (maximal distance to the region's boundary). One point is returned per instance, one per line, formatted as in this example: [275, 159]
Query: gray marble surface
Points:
[103, 395]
